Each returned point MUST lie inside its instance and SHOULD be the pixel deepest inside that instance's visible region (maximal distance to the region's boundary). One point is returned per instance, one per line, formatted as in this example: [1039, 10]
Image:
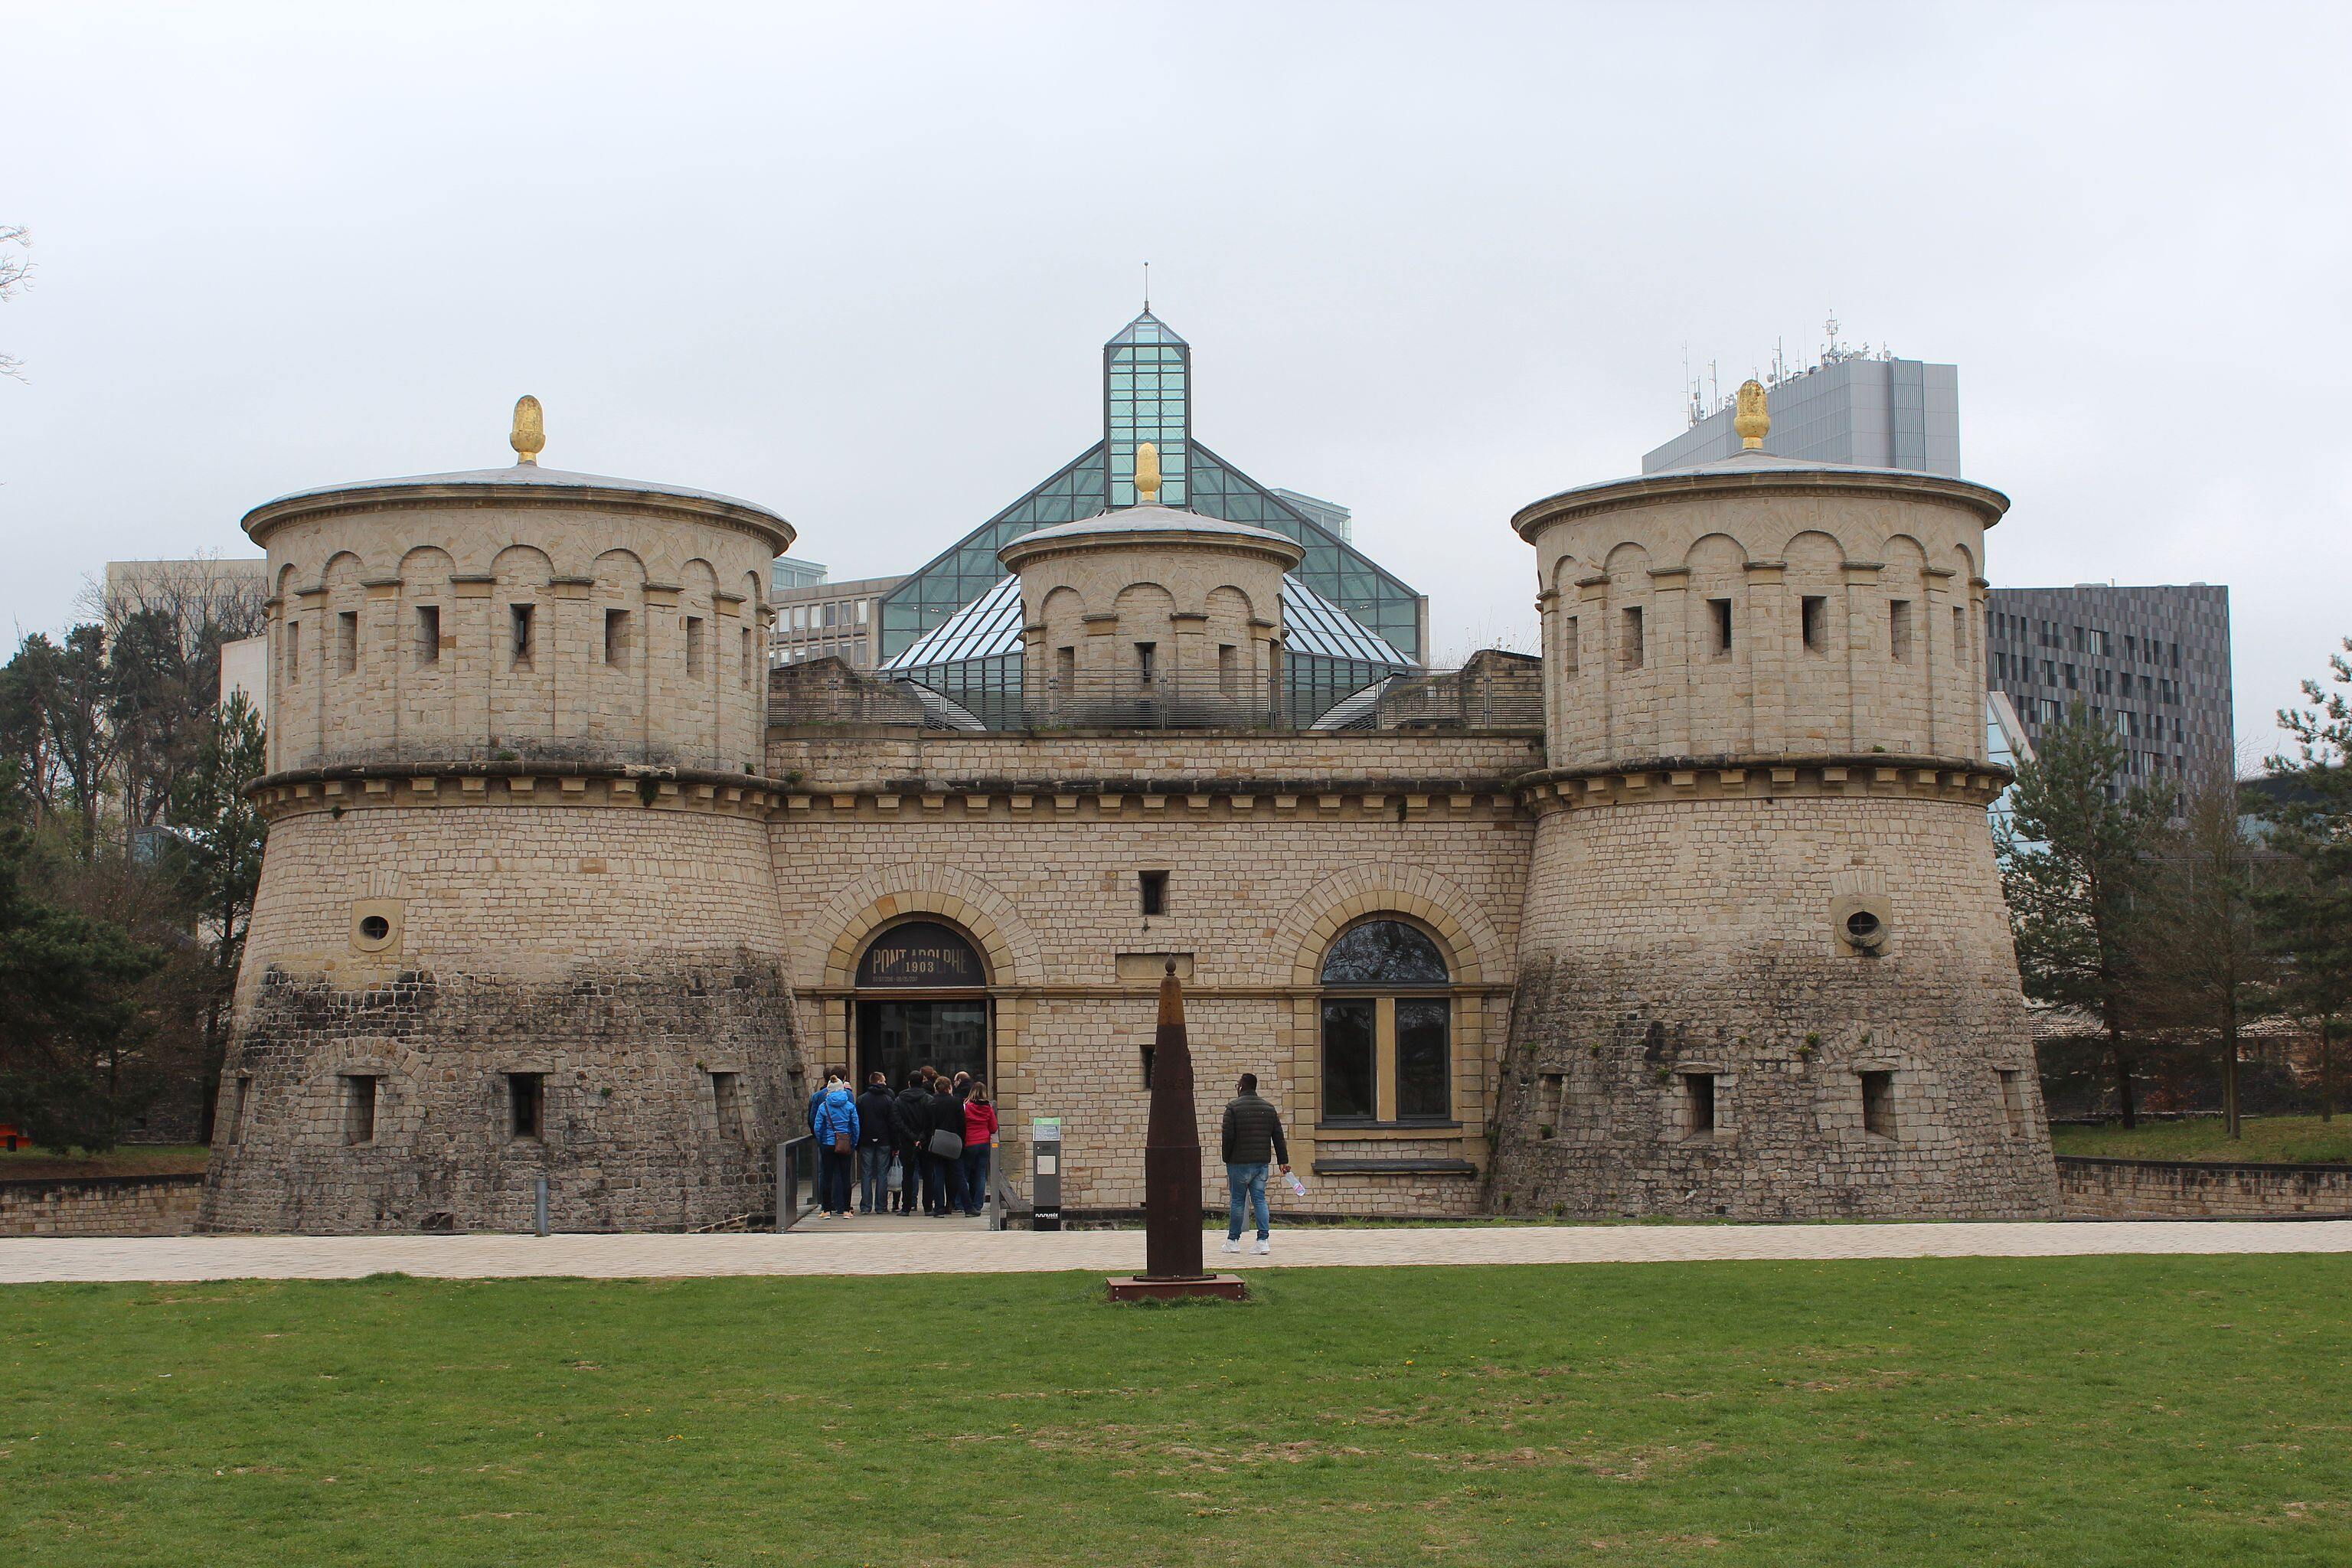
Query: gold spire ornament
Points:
[1754, 421]
[1147, 474]
[530, 437]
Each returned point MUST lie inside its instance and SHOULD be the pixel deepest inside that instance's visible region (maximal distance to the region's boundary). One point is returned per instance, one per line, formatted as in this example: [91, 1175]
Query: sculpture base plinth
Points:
[1143, 1288]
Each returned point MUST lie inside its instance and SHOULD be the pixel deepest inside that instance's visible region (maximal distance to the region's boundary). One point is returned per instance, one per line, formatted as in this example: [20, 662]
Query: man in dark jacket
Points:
[1253, 1141]
[876, 1133]
[943, 1180]
[911, 1124]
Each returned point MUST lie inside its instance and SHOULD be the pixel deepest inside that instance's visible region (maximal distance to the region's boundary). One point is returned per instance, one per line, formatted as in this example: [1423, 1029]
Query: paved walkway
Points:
[950, 1251]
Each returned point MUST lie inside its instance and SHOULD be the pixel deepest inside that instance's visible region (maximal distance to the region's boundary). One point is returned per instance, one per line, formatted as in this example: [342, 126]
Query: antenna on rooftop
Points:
[1147, 287]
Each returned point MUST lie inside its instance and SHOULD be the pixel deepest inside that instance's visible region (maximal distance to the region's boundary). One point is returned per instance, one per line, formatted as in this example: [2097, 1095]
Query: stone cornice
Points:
[1136, 800]
[1872, 776]
[1650, 488]
[354, 786]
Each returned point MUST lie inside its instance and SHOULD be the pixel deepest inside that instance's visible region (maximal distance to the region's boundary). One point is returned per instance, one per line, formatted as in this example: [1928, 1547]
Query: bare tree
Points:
[2203, 968]
[14, 271]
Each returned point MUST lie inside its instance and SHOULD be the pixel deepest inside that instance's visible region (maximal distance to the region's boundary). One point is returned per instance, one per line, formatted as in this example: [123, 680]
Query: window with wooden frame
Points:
[1388, 1013]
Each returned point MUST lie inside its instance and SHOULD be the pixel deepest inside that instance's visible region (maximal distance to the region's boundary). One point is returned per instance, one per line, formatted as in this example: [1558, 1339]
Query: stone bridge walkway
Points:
[953, 1251]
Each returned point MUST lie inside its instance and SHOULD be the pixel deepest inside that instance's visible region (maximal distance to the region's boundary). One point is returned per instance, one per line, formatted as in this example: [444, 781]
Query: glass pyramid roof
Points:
[989, 627]
[1146, 328]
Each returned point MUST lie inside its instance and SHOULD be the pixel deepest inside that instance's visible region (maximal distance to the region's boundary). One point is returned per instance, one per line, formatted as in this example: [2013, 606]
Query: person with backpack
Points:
[910, 1126]
[943, 1180]
[979, 1139]
[836, 1127]
[875, 1135]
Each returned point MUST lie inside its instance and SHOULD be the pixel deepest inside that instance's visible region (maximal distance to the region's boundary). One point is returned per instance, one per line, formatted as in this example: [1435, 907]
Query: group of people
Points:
[934, 1135]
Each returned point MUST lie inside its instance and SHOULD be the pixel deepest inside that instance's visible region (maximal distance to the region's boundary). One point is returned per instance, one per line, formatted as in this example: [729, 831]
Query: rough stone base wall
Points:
[1695, 937]
[2164, 1189]
[631, 1131]
[102, 1206]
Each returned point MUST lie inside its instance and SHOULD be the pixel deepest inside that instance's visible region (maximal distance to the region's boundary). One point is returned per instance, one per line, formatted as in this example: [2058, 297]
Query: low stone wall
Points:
[2181, 1189]
[102, 1206]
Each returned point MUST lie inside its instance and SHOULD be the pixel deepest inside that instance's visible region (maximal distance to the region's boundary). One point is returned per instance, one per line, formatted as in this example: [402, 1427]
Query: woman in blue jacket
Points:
[835, 1126]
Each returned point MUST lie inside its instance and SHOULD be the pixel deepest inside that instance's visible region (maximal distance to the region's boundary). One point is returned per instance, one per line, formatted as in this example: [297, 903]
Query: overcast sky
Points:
[856, 263]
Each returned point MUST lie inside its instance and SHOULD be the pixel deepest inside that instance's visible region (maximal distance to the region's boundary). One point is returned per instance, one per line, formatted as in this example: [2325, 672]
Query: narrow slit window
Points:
[519, 627]
[1228, 668]
[1721, 611]
[526, 1103]
[242, 1091]
[2013, 1100]
[1698, 1103]
[1813, 622]
[1899, 629]
[747, 655]
[293, 649]
[1959, 635]
[359, 1107]
[1879, 1104]
[428, 634]
[616, 638]
[347, 641]
[1152, 889]
[695, 651]
[726, 1099]
[1148, 1055]
[1551, 1092]
[1568, 647]
[1147, 659]
[1065, 669]
[1629, 640]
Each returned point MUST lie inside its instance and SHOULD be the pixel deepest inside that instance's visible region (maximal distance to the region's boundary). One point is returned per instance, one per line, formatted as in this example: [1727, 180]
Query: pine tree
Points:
[2306, 910]
[221, 837]
[2076, 864]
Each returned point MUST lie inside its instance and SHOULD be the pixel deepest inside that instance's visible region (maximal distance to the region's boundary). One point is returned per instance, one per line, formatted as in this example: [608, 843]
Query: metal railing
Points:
[1476, 697]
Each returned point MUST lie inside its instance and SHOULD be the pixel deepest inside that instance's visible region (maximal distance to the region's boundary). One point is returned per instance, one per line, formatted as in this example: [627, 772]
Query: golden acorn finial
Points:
[1754, 420]
[530, 437]
[1146, 474]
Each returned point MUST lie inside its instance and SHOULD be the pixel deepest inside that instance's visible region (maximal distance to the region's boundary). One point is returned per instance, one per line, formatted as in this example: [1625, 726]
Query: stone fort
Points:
[1696, 913]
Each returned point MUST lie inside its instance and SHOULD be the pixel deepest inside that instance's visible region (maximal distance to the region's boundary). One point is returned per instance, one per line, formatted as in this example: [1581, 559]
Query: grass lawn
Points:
[2280, 1139]
[129, 1160]
[2117, 1410]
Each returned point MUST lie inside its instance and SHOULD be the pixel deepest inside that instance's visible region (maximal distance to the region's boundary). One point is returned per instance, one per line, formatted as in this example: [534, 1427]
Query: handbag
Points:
[841, 1143]
[946, 1145]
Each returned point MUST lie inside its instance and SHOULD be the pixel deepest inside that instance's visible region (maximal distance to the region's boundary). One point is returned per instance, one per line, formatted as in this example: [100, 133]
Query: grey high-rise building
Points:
[1878, 413]
[2154, 663]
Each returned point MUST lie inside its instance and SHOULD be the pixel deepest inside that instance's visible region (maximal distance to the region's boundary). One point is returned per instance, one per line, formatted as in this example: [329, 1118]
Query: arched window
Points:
[1387, 1026]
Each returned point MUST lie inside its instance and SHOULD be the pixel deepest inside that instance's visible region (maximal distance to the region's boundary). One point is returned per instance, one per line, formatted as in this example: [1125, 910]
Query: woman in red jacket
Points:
[979, 1138]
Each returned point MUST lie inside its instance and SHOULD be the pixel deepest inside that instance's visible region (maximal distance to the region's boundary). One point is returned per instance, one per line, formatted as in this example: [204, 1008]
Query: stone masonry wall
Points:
[1045, 886]
[101, 1206]
[628, 953]
[1698, 936]
[2166, 1189]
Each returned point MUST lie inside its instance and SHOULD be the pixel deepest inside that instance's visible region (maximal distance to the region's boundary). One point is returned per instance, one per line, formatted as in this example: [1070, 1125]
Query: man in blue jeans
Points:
[1253, 1141]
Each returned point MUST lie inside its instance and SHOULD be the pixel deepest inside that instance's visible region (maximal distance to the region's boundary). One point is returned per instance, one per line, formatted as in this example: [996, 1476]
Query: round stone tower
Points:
[1765, 967]
[516, 917]
[1152, 615]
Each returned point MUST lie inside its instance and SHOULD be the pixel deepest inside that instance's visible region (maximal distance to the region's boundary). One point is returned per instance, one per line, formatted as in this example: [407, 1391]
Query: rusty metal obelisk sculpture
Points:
[1171, 1169]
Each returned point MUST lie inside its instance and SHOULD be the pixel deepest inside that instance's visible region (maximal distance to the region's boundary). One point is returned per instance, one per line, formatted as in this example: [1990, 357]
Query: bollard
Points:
[538, 1206]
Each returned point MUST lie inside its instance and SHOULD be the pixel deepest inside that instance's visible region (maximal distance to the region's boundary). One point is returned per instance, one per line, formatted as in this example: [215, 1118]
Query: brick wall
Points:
[2167, 1189]
[102, 1206]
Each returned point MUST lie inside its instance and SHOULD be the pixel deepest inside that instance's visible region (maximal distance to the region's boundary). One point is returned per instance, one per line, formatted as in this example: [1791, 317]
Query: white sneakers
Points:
[1232, 1244]
[1263, 1246]
[1264, 1249]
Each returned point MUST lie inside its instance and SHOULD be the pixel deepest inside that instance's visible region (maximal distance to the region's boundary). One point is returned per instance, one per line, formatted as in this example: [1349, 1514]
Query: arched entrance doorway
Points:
[922, 1001]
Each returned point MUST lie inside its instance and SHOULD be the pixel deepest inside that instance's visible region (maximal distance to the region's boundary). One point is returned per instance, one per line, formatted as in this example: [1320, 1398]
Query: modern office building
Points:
[954, 624]
[1876, 412]
[818, 619]
[2153, 662]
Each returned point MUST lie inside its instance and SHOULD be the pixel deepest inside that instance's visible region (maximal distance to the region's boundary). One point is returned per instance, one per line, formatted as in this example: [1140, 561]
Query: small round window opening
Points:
[375, 928]
[1863, 928]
